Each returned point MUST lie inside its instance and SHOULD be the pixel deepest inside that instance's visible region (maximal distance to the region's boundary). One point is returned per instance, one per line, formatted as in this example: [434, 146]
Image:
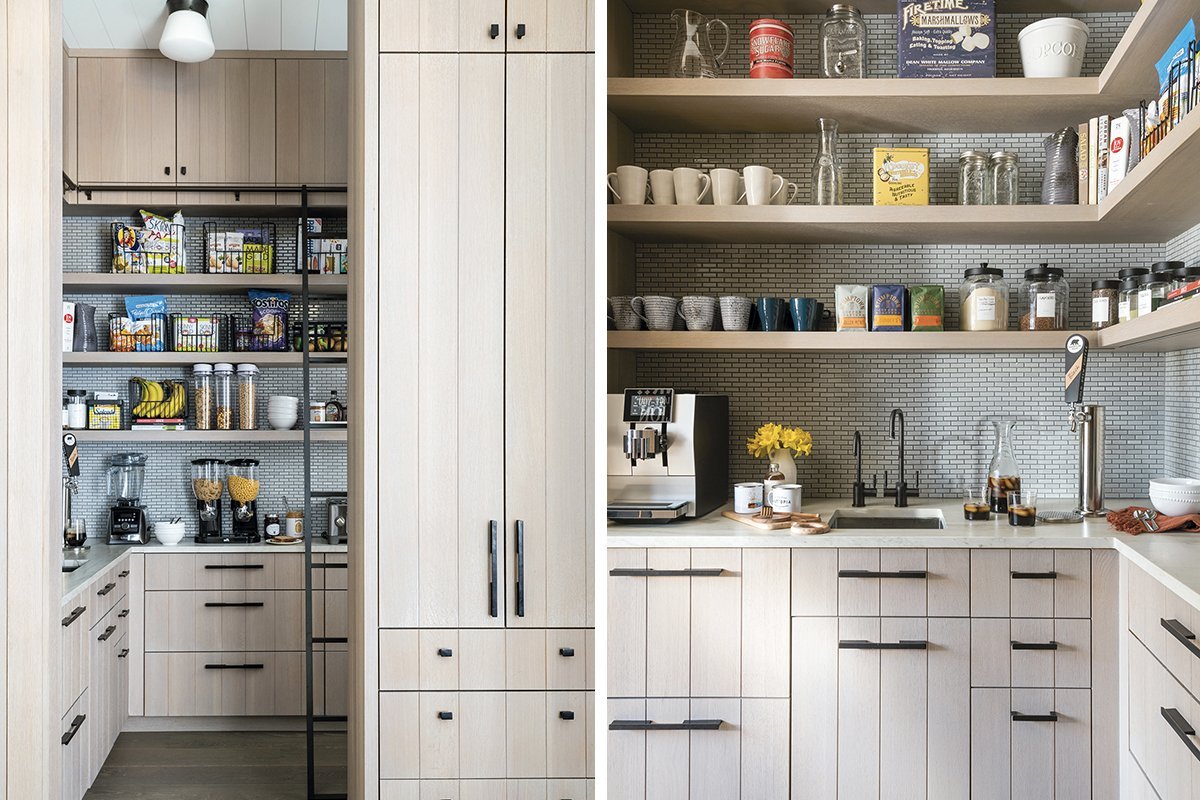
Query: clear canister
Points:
[77, 409]
[223, 395]
[1004, 178]
[1044, 300]
[972, 178]
[983, 300]
[1183, 280]
[1105, 303]
[202, 396]
[247, 375]
[843, 41]
[1127, 299]
[1152, 292]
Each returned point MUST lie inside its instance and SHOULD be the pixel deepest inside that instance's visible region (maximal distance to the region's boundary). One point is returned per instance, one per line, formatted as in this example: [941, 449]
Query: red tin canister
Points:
[770, 49]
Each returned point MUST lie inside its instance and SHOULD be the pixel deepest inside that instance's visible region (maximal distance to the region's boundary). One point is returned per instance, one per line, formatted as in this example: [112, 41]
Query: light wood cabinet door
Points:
[547, 361]
[225, 109]
[627, 620]
[312, 126]
[127, 111]
[1031, 583]
[549, 25]
[70, 121]
[436, 26]
[77, 726]
[76, 652]
[225, 621]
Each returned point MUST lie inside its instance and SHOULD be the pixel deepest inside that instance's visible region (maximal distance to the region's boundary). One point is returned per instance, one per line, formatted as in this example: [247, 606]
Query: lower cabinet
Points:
[108, 684]
[224, 684]
[1163, 717]
[77, 727]
[575, 789]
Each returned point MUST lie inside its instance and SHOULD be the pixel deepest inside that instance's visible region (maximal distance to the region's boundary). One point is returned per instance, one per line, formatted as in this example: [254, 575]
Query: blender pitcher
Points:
[692, 53]
[125, 476]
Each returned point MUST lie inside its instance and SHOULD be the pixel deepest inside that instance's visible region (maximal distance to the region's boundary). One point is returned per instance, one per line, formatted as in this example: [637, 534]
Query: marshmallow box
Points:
[946, 39]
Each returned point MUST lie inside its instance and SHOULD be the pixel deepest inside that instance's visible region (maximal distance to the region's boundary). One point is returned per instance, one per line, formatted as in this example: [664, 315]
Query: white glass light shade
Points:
[186, 37]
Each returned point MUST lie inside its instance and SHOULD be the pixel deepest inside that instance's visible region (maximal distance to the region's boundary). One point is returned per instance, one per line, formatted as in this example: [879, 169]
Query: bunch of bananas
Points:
[161, 399]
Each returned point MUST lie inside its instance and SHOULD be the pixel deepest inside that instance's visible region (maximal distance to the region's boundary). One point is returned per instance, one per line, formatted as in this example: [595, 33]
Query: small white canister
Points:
[785, 498]
[1053, 48]
[747, 498]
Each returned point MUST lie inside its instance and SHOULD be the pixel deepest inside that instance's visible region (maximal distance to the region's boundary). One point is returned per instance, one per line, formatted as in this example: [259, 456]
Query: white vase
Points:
[787, 464]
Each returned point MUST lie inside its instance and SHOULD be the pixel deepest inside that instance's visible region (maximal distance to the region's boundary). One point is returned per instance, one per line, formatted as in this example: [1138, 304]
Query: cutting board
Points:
[780, 522]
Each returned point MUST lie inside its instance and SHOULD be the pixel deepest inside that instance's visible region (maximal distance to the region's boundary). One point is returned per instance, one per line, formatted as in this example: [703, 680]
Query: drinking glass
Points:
[1022, 508]
[976, 505]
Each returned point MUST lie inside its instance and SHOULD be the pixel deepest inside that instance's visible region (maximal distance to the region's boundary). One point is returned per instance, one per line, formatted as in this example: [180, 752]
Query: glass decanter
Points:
[1003, 475]
[827, 167]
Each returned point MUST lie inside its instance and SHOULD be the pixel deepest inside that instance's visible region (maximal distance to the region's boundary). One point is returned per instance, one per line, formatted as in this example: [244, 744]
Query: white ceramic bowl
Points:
[169, 533]
[1181, 486]
[1173, 507]
[1053, 48]
[283, 423]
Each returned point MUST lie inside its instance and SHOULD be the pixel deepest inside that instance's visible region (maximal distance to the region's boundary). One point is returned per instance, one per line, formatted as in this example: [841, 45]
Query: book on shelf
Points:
[1102, 163]
[1118, 151]
[1081, 158]
[1093, 172]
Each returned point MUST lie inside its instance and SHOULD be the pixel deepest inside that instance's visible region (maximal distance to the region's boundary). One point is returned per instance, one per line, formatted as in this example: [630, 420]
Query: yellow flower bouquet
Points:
[771, 438]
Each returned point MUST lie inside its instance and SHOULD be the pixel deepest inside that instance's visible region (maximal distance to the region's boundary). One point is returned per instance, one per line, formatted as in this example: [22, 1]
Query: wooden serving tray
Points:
[798, 523]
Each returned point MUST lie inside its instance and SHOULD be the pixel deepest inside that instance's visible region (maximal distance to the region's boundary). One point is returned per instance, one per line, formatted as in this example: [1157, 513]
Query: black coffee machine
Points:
[242, 483]
[127, 517]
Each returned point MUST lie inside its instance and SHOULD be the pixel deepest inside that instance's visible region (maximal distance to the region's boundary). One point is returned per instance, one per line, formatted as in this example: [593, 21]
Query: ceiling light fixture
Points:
[186, 36]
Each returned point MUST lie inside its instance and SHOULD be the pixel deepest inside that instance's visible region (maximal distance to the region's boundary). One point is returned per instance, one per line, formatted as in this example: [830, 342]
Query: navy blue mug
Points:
[770, 313]
[806, 313]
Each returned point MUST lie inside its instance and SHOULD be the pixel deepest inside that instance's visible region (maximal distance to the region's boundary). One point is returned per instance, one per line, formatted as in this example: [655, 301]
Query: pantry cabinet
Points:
[127, 121]
[312, 126]
[70, 125]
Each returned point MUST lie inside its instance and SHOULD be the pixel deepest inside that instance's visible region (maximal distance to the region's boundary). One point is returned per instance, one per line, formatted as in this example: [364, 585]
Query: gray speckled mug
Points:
[625, 312]
[735, 312]
[697, 312]
[659, 311]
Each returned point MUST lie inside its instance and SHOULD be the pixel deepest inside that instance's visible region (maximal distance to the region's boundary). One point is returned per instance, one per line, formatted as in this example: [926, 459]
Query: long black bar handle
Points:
[862, 644]
[621, 572]
[1033, 645]
[1034, 576]
[109, 631]
[520, 568]
[108, 587]
[1183, 729]
[75, 614]
[493, 570]
[650, 725]
[234, 566]
[233, 666]
[1185, 637]
[234, 605]
[1019, 717]
[76, 724]
[915, 574]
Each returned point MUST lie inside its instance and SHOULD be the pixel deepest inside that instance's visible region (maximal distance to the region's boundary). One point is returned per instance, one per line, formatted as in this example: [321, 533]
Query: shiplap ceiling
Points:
[236, 24]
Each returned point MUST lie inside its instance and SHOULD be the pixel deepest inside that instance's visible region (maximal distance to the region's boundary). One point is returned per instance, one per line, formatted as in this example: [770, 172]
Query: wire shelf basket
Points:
[201, 333]
[140, 252]
[145, 336]
[240, 249]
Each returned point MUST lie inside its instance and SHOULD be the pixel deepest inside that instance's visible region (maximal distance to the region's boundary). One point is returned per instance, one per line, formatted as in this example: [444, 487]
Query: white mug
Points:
[785, 498]
[691, 186]
[787, 196]
[726, 187]
[761, 186]
[747, 497]
[662, 187]
[630, 186]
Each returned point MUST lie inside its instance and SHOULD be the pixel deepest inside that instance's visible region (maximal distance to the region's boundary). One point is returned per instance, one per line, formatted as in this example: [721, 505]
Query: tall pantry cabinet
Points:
[485, 600]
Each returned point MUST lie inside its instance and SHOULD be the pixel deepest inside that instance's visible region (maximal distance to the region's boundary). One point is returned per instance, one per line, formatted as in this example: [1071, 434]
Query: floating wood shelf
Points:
[785, 7]
[1171, 328]
[843, 341]
[199, 283]
[214, 437]
[106, 359]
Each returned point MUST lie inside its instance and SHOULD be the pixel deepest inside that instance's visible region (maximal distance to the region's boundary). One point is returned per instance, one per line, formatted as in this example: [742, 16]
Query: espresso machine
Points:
[668, 455]
[127, 518]
[242, 484]
[208, 484]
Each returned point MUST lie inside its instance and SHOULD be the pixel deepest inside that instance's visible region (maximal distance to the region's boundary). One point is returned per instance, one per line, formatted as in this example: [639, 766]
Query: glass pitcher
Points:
[692, 53]
[1003, 475]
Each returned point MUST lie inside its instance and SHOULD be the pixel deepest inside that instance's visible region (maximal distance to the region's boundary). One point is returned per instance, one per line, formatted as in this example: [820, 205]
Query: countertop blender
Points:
[127, 518]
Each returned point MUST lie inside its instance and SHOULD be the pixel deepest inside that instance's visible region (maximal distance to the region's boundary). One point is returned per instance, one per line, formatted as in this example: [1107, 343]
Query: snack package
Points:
[162, 242]
[851, 305]
[141, 308]
[927, 303]
[269, 316]
[888, 307]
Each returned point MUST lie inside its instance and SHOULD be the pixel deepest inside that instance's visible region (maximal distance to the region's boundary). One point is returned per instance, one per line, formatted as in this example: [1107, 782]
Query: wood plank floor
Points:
[217, 766]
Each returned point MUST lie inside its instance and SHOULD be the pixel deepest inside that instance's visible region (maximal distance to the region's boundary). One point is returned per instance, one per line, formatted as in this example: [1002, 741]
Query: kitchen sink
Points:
[887, 519]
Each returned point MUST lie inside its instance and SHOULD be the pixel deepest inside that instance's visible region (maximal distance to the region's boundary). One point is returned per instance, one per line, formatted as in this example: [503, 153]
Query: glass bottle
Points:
[843, 43]
[774, 477]
[972, 178]
[334, 410]
[827, 167]
[1003, 475]
[1005, 183]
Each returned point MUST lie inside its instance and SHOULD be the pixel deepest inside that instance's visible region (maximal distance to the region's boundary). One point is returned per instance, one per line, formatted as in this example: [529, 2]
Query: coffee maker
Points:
[668, 455]
[208, 484]
[242, 484]
[127, 517]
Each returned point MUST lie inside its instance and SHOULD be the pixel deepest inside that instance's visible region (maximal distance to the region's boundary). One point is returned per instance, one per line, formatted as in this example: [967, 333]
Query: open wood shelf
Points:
[1171, 328]
[785, 7]
[213, 437]
[199, 283]
[843, 341]
[106, 359]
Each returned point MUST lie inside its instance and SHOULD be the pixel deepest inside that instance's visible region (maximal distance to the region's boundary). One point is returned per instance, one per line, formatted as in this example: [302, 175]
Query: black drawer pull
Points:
[234, 566]
[862, 644]
[123, 573]
[667, 573]
[233, 666]
[76, 724]
[124, 613]
[1019, 717]
[330, 640]
[567, 715]
[566, 652]
[521, 30]
[332, 565]
[445, 715]
[493, 571]
[123, 653]
[75, 614]
[520, 580]
[1183, 729]
[1034, 576]
[108, 587]
[650, 725]
[1034, 645]
[445, 652]
[233, 605]
[494, 31]
[1185, 637]
[109, 631]
[866, 573]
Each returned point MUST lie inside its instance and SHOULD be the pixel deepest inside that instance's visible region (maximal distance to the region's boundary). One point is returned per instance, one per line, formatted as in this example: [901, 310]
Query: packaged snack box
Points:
[946, 39]
[901, 176]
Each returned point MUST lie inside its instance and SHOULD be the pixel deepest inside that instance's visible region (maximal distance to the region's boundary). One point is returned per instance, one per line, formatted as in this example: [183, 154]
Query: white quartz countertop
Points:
[103, 555]
[1172, 558]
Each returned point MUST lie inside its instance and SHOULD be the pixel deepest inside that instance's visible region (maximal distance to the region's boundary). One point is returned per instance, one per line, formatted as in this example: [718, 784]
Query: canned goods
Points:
[747, 497]
[785, 498]
[770, 49]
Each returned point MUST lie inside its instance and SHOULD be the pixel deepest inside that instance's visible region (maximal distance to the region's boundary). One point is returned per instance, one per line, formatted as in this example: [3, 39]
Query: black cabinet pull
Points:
[183, 170]
[566, 652]
[445, 715]
[330, 640]
[233, 566]
[1183, 729]
[567, 715]
[1034, 576]
[520, 568]
[233, 605]
[124, 613]
[123, 653]
[1019, 717]
[445, 652]
[493, 570]
[75, 614]
[123, 573]
[1185, 637]
[233, 666]
[332, 565]
[915, 574]
[166, 170]
[109, 631]
[1034, 645]
[862, 644]
[108, 587]
[715, 572]
[76, 724]
[494, 31]
[520, 30]
[650, 725]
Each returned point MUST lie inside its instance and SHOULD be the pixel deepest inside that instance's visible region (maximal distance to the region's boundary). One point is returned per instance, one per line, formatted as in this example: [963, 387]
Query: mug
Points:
[626, 312]
[806, 313]
[662, 187]
[726, 187]
[785, 498]
[630, 186]
[770, 313]
[658, 311]
[787, 196]
[747, 497]
[691, 186]
[697, 312]
[735, 312]
[761, 186]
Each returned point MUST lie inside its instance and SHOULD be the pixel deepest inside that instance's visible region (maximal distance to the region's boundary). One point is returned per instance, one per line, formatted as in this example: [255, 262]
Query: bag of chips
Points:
[162, 242]
[269, 316]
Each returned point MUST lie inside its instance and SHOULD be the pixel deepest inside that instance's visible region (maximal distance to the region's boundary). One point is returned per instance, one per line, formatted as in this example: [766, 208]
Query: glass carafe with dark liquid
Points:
[1003, 476]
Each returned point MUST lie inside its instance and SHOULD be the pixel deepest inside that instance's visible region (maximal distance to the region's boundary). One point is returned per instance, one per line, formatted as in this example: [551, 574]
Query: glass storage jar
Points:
[983, 300]
[202, 396]
[223, 396]
[1152, 292]
[843, 41]
[77, 409]
[1181, 280]
[1044, 300]
[972, 178]
[1004, 178]
[1105, 303]
[1127, 300]
[247, 375]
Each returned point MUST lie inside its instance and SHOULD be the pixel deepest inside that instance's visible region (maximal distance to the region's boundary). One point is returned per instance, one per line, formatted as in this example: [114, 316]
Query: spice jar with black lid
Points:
[1152, 292]
[1104, 303]
[983, 300]
[1044, 300]
[1185, 282]
[1127, 300]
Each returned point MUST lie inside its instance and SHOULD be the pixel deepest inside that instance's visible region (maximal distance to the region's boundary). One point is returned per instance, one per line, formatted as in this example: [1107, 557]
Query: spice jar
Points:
[247, 397]
[1127, 300]
[843, 43]
[271, 527]
[202, 396]
[1104, 303]
[1185, 282]
[223, 395]
[1004, 178]
[1044, 300]
[1152, 292]
[983, 300]
[972, 178]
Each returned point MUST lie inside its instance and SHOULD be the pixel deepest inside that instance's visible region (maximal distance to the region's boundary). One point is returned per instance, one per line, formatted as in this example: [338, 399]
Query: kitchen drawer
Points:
[1030, 743]
[333, 576]
[1031, 653]
[556, 748]
[442, 659]
[552, 658]
[224, 684]
[1161, 746]
[868, 582]
[76, 732]
[103, 593]
[185, 621]
[1167, 625]
[486, 790]
[331, 681]
[442, 734]
[219, 570]
[76, 651]
[1031, 583]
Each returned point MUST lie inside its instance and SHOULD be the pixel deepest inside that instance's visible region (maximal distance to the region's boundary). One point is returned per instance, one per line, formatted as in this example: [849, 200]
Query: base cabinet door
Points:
[76, 744]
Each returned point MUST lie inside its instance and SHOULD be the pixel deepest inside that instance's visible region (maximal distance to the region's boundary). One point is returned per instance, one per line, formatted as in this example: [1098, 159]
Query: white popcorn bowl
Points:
[1177, 486]
[1173, 506]
[1053, 48]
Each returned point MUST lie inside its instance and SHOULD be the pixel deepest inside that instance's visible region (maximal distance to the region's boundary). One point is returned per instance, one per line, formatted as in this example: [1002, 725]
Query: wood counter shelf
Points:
[1169, 329]
[843, 341]
[262, 359]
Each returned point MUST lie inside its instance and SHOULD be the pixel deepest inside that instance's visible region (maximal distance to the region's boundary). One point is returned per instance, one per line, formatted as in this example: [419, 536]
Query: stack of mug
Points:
[699, 313]
[685, 186]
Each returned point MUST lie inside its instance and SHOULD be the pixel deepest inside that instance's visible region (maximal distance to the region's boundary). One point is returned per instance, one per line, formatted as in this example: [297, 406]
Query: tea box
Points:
[946, 39]
[901, 176]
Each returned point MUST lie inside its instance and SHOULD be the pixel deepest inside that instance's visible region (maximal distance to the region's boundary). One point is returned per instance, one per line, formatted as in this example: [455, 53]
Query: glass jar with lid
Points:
[983, 300]
[1152, 292]
[1105, 303]
[247, 379]
[972, 178]
[202, 396]
[1004, 178]
[223, 396]
[843, 41]
[1181, 280]
[1044, 300]
[1127, 298]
